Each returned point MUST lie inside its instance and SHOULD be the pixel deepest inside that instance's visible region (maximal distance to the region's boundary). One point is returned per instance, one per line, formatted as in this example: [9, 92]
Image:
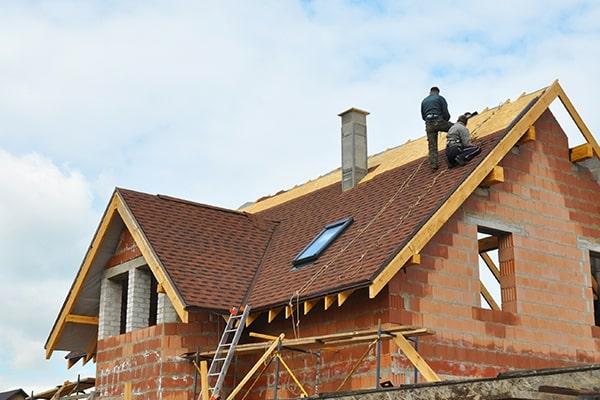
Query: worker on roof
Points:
[434, 111]
[459, 149]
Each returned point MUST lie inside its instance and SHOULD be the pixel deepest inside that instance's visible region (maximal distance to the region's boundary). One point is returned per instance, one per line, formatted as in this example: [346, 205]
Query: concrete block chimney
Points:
[354, 147]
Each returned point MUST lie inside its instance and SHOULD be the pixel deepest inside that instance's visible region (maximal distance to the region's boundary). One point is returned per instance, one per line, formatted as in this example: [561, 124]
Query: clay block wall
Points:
[551, 207]
[126, 250]
[146, 362]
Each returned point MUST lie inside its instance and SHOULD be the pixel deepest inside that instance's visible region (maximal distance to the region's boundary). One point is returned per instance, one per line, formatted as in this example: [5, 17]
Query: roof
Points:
[11, 394]
[213, 258]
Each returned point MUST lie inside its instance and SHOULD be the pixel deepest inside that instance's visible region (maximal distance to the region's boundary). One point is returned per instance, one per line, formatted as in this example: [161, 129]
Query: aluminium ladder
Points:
[226, 349]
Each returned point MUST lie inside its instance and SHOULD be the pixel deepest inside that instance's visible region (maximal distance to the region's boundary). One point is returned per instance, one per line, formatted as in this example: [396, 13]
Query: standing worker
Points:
[434, 111]
[459, 149]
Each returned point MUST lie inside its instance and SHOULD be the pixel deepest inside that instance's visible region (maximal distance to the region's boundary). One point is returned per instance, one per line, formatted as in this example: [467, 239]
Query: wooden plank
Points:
[127, 395]
[446, 210]
[415, 358]
[273, 314]
[89, 257]
[488, 243]
[488, 297]
[260, 361]
[329, 301]
[495, 176]
[262, 336]
[151, 258]
[293, 376]
[490, 264]
[309, 304]
[587, 134]
[204, 380]
[81, 319]
[529, 136]
[332, 339]
[251, 318]
[581, 152]
[343, 296]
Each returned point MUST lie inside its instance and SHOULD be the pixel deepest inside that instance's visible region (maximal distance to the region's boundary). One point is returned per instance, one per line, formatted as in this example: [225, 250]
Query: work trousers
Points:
[458, 155]
[432, 128]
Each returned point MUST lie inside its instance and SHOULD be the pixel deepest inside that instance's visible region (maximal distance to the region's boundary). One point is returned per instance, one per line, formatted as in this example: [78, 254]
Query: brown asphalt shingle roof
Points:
[220, 258]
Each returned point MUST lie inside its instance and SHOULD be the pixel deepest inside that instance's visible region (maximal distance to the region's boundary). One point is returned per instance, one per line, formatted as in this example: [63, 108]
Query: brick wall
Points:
[147, 360]
[551, 207]
[126, 250]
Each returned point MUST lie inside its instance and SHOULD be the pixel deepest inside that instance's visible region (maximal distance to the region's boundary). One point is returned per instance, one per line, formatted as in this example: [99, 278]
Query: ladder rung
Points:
[214, 374]
[236, 316]
[219, 359]
[230, 330]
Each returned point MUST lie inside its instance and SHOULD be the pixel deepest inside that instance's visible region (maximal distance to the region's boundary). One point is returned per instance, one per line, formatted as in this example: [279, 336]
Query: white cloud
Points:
[46, 218]
[222, 102]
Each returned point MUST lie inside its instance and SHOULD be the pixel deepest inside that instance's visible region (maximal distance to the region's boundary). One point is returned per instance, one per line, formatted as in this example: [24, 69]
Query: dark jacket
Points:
[435, 105]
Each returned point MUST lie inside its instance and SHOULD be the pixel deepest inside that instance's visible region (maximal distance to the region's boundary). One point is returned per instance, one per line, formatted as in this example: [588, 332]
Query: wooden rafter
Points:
[309, 304]
[488, 297]
[587, 134]
[273, 314]
[251, 318]
[487, 244]
[329, 301]
[491, 265]
[446, 210]
[495, 176]
[529, 136]
[81, 319]
[343, 296]
[581, 152]
[415, 358]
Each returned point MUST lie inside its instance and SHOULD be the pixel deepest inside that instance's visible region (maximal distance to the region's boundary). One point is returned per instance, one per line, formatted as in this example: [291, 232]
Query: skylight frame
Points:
[343, 224]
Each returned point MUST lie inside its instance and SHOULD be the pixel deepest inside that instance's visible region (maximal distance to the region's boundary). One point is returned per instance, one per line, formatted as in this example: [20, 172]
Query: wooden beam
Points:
[309, 304]
[487, 244]
[415, 358]
[415, 259]
[529, 136]
[288, 311]
[256, 366]
[329, 301]
[587, 134]
[81, 319]
[262, 336]
[160, 288]
[595, 287]
[488, 297]
[343, 296]
[250, 318]
[446, 210]
[491, 265]
[273, 314]
[204, 380]
[151, 258]
[495, 176]
[90, 256]
[581, 152]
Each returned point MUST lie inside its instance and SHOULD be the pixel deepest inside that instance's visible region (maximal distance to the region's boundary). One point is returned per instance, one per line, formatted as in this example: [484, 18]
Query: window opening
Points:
[595, 270]
[495, 254]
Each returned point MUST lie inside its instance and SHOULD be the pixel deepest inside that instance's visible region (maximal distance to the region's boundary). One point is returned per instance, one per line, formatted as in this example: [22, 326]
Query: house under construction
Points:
[381, 273]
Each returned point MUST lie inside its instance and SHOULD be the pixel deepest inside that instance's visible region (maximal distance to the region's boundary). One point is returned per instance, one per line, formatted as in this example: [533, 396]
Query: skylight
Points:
[322, 241]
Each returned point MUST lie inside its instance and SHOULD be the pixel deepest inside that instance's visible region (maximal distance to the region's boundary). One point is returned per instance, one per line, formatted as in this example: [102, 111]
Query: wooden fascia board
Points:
[81, 275]
[456, 199]
[151, 258]
[587, 134]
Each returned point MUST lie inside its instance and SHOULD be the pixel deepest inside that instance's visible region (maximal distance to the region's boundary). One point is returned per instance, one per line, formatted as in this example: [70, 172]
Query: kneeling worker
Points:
[459, 149]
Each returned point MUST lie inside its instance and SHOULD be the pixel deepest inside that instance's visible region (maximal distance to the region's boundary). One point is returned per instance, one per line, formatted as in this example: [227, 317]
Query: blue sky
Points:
[223, 102]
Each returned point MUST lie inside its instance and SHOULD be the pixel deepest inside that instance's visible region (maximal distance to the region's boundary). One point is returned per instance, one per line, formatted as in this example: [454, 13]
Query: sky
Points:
[224, 102]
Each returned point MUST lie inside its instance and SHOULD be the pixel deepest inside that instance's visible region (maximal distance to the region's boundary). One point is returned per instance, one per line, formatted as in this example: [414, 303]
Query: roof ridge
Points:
[197, 204]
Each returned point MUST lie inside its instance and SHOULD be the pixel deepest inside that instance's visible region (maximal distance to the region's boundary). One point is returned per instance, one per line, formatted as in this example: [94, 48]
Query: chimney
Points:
[354, 147]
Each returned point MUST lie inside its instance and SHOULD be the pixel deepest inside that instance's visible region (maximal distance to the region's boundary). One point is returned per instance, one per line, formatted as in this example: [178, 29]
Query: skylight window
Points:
[322, 241]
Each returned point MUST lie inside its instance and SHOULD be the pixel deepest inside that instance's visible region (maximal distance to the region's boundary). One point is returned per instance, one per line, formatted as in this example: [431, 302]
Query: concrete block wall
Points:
[166, 311]
[109, 318]
[138, 299]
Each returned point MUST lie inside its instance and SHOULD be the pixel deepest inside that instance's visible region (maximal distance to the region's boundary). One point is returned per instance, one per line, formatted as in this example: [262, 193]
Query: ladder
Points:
[226, 349]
